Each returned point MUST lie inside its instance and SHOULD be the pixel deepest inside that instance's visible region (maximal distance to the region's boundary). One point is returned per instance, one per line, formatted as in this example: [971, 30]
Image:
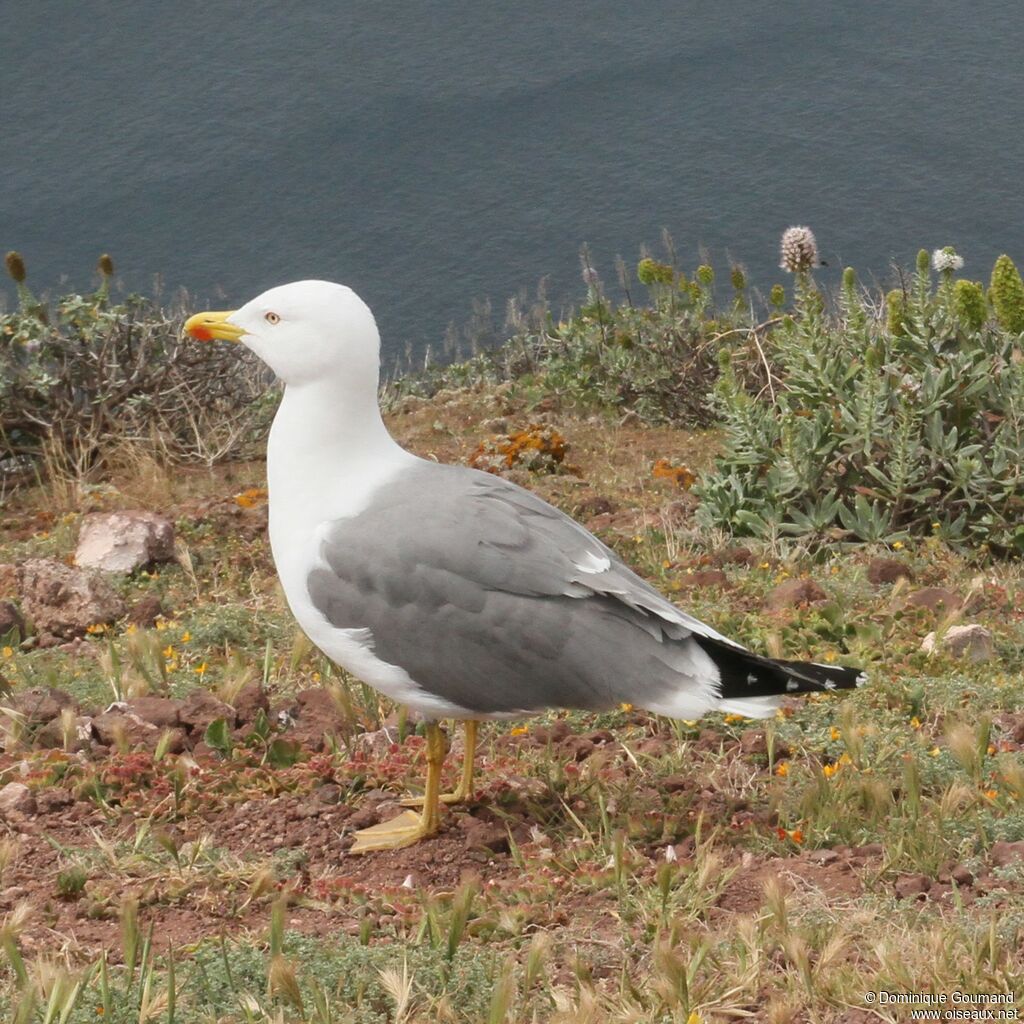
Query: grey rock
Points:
[122, 542]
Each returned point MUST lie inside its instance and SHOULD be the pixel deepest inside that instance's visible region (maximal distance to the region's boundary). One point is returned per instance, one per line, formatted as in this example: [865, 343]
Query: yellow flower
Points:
[765, 565]
[8, 652]
[733, 718]
[830, 656]
[132, 628]
[519, 730]
[936, 526]
[935, 752]
[186, 636]
[991, 794]
[201, 669]
[834, 733]
[897, 545]
[316, 677]
[171, 666]
[782, 769]
[695, 1018]
[626, 707]
[915, 722]
[666, 564]
[168, 651]
[96, 627]
[829, 770]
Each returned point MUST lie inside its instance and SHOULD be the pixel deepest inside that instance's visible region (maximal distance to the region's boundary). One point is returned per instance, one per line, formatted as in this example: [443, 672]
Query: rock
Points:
[1002, 852]
[17, 797]
[11, 622]
[962, 875]
[484, 835]
[37, 706]
[912, 885]
[794, 593]
[596, 505]
[200, 708]
[145, 612]
[973, 642]
[735, 555]
[51, 736]
[375, 744]
[8, 580]
[161, 712]
[934, 599]
[823, 856]
[250, 700]
[124, 541]
[887, 570]
[63, 601]
[704, 578]
[119, 728]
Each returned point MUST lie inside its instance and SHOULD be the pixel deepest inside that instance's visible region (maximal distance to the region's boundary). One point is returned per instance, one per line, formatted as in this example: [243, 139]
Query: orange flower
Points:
[782, 769]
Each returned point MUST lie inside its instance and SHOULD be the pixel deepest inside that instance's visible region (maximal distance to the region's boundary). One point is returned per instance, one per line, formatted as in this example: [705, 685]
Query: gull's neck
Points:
[327, 453]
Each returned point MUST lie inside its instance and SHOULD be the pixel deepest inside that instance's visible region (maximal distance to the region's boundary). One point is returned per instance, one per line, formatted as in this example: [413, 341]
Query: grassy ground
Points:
[611, 868]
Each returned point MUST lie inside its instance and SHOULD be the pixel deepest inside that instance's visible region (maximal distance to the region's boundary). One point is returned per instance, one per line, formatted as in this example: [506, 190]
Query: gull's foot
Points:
[456, 797]
[404, 830]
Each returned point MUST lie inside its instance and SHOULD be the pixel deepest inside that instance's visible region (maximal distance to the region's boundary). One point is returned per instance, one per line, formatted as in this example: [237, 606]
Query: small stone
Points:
[17, 797]
[11, 622]
[962, 875]
[200, 708]
[596, 505]
[793, 593]
[735, 555]
[145, 612]
[973, 642]
[250, 700]
[1004, 853]
[63, 601]
[935, 599]
[8, 580]
[887, 570]
[122, 542]
[328, 793]
[38, 706]
[912, 885]
[158, 711]
[704, 578]
[377, 743]
[117, 728]
[823, 856]
[486, 835]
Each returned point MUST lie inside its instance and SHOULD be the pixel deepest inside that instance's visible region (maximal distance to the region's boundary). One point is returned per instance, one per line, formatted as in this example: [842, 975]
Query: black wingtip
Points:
[744, 674]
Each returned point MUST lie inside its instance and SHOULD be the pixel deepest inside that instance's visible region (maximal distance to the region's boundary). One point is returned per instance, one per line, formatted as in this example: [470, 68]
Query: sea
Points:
[442, 157]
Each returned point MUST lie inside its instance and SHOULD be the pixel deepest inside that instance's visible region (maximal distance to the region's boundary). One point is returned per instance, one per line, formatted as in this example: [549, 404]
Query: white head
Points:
[305, 332]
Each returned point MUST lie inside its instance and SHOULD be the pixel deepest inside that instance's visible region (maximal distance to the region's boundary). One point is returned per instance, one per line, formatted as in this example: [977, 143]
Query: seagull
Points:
[453, 591]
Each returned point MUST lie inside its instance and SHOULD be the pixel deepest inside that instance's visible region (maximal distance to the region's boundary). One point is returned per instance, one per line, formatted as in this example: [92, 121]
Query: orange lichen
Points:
[683, 476]
[252, 497]
[537, 448]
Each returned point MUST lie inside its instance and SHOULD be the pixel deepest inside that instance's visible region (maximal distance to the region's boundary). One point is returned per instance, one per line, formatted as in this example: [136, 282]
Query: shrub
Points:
[81, 375]
[879, 426]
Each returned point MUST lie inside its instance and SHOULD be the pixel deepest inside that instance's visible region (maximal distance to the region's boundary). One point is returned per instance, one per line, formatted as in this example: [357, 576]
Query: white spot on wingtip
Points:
[830, 684]
[792, 685]
[751, 679]
[593, 563]
[861, 680]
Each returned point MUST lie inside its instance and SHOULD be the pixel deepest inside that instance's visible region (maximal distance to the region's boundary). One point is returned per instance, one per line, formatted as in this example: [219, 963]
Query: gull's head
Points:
[306, 331]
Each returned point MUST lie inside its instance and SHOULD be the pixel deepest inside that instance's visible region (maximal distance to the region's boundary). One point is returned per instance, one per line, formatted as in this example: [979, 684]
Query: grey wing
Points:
[494, 600]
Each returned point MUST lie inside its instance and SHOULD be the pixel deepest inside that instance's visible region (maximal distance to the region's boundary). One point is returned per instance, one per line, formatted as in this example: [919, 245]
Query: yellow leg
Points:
[409, 827]
[464, 790]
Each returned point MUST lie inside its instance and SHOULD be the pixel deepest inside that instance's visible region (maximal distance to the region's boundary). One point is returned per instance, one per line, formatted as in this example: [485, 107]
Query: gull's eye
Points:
[272, 318]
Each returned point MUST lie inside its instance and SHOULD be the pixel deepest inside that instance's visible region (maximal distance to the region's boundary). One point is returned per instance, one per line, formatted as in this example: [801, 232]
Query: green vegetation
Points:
[611, 868]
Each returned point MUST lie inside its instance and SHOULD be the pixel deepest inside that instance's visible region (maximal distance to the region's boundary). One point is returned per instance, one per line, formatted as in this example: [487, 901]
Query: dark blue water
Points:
[430, 154]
